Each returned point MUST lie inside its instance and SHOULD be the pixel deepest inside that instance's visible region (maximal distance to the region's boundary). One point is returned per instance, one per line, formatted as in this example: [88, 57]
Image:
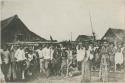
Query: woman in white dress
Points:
[118, 58]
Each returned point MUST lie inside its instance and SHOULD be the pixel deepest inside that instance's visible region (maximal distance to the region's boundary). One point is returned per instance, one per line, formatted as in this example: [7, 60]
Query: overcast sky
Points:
[61, 17]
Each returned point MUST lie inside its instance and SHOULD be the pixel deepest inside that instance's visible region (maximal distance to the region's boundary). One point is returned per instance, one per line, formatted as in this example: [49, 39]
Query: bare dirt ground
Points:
[118, 77]
[113, 77]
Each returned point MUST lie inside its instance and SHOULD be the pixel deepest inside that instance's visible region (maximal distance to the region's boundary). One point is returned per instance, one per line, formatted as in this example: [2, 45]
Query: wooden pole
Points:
[93, 40]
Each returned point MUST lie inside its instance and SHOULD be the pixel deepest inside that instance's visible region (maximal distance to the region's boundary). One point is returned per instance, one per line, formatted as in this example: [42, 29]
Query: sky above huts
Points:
[59, 18]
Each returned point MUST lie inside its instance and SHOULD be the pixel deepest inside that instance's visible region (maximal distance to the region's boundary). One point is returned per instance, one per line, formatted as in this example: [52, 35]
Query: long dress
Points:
[119, 59]
[86, 72]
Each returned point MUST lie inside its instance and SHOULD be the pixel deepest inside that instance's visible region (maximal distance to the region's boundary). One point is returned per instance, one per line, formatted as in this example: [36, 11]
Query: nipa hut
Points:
[13, 30]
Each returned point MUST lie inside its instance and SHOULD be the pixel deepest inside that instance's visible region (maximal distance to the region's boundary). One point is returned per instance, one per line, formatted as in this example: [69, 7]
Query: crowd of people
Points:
[18, 62]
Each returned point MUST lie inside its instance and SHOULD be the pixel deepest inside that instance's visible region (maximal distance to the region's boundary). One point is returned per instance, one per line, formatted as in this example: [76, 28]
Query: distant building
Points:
[13, 30]
[114, 35]
[84, 38]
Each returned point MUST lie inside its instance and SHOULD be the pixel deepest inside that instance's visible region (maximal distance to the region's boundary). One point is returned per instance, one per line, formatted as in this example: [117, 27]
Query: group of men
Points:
[19, 62]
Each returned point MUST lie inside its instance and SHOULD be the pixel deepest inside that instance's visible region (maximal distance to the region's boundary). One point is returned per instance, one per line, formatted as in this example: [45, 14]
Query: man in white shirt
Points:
[47, 57]
[41, 58]
[20, 54]
[46, 53]
[20, 57]
[80, 56]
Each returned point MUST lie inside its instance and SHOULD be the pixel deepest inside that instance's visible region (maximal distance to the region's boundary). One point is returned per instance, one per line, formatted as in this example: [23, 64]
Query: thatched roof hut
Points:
[114, 35]
[13, 30]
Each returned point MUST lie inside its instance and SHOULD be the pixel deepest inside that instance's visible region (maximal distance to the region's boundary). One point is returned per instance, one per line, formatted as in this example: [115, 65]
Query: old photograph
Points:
[62, 41]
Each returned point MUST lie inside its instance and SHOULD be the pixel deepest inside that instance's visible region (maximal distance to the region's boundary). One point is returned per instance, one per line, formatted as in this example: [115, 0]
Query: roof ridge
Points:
[14, 16]
[116, 29]
[7, 21]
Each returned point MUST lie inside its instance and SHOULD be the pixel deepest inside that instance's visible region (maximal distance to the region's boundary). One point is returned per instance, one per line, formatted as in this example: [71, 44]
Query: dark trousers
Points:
[12, 71]
[79, 65]
[5, 69]
[19, 69]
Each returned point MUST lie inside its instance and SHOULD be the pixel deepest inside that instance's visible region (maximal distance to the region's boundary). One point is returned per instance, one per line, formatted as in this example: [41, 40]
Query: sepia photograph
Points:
[62, 41]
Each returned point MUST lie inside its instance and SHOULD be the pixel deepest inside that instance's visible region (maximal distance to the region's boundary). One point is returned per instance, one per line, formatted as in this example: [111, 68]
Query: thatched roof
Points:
[6, 22]
[84, 38]
[114, 35]
[13, 25]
